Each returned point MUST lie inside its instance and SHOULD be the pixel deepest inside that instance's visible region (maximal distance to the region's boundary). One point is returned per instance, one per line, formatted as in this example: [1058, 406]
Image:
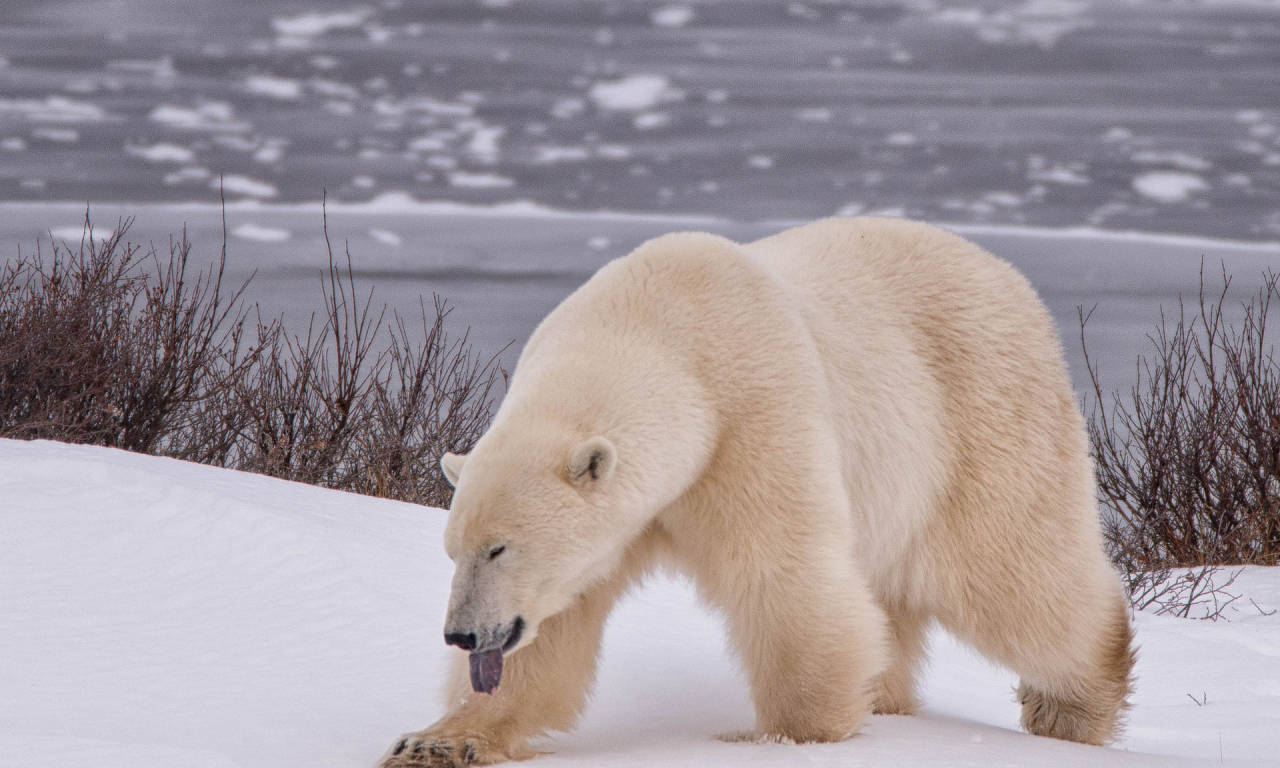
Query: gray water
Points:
[1152, 115]
[1156, 115]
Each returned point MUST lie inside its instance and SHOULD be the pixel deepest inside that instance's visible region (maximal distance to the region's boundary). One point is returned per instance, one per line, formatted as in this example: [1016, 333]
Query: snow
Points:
[479, 180]
[1169, 186]
[244, 185]
[251, 231]
[161, 153]
[209, 116]
[53, 109]
[315, 23]
[633, 93]
[672, 16]
[386, 237]
[284, 88]
[165, 613]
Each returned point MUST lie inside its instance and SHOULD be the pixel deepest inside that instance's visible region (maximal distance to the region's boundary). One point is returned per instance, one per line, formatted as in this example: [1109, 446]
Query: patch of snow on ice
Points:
[261, 234]
[484, 142]
[244, 185]
[214, 116]
[901, 139]
[333, 88]
[284, 88]
[1169, 186]
[814, 115]
[161, 153]
[386, 237]
[315, 23]
[762, 162]
[393, 108]
[58, 135]
[159, 69]
[564, 109]
[634, 93]
[1176, 159]
[72, 233]
[672, 16]
[613, 151]
[192, 173]
[479, 180]
[561, 154]
[650, 120]
[53, 109]
[13, 144]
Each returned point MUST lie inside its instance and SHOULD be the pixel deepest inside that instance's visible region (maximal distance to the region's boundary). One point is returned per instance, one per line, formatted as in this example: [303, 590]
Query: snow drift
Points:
[158, 613]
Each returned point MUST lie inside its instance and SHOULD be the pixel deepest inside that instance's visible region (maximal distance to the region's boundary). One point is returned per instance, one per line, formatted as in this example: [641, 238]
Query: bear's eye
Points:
[493, 553]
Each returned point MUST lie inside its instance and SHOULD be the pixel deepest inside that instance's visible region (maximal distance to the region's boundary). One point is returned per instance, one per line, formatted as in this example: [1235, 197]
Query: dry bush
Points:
[1188, 467]
[109, 345]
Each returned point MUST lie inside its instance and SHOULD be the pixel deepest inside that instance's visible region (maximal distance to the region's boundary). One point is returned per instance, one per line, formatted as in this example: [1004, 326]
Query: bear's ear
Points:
[452, 463]
[591, 461]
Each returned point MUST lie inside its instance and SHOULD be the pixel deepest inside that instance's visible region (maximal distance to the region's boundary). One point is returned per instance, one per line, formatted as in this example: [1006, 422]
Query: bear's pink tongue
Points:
[486, 670]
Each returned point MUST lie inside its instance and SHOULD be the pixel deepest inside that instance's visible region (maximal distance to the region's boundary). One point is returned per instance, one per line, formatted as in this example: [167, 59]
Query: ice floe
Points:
[244, 185]
[161, 153]
[74, 233]
[1169, 186]
[814, 115]
[634, 93]
[58, 135]
[261, 234]
[190, 174]
[479, 180]
[672, 16]
[386, 237]
[214, 116]
[484, 142]
[1180, 160]
[53, 109]
[315, 23]
[650, 120]
[284, 88]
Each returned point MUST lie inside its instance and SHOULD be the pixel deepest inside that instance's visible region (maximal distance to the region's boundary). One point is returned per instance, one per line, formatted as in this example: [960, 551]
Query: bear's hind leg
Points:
[1086, 709]
[1064, 629]
[895, 690]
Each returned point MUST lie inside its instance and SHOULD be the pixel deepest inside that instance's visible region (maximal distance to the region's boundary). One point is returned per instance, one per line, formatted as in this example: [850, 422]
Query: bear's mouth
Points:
[486, 666]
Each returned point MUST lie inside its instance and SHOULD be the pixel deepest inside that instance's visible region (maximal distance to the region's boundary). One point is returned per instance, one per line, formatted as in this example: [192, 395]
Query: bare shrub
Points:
[1188, 467]
[109, 344]
[114, 346]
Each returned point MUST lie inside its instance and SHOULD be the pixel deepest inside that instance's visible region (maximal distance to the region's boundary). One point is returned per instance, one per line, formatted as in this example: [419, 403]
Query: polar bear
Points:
[841, 433]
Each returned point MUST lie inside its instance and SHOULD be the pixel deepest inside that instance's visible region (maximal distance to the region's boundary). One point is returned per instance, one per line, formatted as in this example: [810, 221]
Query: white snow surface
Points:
[160, 613]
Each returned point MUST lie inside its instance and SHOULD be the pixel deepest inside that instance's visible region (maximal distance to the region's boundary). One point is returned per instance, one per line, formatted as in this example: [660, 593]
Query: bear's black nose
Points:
[466, 642]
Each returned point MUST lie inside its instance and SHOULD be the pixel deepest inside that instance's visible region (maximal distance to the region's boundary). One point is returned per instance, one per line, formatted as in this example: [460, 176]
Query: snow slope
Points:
[158, 613]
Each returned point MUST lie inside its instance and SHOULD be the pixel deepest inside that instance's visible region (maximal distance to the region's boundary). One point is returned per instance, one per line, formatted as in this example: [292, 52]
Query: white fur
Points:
[841, 432]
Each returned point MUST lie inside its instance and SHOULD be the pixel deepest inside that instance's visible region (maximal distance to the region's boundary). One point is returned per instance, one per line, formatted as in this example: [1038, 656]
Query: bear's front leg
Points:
[813, 652]
[467, 736]
[543, 688]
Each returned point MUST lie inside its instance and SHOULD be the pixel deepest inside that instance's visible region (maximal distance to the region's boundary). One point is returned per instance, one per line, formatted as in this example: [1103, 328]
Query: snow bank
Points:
[158, 613]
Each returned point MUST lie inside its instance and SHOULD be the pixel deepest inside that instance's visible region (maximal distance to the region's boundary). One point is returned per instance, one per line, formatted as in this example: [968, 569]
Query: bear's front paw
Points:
[449, 750]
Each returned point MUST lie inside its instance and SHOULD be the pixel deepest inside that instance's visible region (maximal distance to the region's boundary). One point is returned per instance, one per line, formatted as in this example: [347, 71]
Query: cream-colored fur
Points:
[842, 432]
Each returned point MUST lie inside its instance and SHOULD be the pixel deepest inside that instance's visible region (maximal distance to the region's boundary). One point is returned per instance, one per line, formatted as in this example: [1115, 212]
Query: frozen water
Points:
[1169, 186]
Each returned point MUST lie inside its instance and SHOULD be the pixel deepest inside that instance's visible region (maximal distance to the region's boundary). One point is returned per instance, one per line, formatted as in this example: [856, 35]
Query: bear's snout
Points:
[466, 642]
[502, 636]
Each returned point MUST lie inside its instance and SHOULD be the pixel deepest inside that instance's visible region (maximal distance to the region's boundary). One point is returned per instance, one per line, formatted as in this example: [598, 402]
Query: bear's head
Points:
[536, 518]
